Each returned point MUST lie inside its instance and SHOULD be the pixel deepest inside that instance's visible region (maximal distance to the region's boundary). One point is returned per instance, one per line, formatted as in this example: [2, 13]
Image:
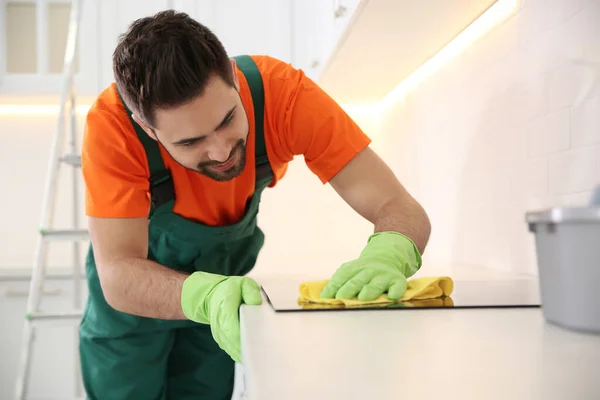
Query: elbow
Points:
[426, 231]
[420, 223]
[114, 301]
[424, 227]
[111, 284]
[426, 222]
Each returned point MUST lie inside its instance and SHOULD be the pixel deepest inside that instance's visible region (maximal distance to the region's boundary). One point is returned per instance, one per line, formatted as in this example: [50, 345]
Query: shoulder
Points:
[108, 107]
[306, 121]
[109, 134]
[277, 74]
[272, 67]
[282, 82]
[108, 120]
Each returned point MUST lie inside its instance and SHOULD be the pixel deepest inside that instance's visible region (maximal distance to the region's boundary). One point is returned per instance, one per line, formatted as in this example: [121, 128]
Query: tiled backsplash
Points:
[496, 133]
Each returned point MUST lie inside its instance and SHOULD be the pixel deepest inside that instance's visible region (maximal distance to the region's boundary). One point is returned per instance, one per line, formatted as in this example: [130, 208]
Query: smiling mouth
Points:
[226, 165]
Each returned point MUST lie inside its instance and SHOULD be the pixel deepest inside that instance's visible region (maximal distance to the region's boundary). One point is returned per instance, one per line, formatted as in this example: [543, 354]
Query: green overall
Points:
[129, 357]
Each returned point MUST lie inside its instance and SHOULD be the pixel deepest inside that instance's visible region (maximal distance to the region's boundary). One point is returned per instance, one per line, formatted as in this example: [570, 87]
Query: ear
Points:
[149, 131]
[234, 72]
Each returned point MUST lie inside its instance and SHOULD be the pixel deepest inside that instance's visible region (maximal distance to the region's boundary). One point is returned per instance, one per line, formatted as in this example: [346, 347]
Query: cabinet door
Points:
[33, 42]
[313, 34]
[244, 27]
[343, 11]
[115, 17]
[318, 26]
[250, 27]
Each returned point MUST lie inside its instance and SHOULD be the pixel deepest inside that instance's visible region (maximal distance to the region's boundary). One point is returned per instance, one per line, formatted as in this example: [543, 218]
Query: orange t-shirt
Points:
[300, 119]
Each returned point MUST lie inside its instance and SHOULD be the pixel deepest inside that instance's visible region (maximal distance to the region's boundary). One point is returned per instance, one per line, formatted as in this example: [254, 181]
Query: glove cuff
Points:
[396, 249]
[195, 292]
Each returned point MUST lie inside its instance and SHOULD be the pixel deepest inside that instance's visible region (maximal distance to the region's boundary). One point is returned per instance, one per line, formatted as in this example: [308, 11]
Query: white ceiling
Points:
[386, 40]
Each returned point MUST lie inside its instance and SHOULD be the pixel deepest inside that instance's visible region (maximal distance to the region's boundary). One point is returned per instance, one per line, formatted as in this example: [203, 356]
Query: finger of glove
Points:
[397, 288]
[337, 280]
[330, 290]
[376, 287]
[353, 286]
[251, 292]
[226, 327]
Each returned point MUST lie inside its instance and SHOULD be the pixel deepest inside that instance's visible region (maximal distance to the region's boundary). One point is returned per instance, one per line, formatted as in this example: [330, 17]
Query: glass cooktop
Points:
[283, 296]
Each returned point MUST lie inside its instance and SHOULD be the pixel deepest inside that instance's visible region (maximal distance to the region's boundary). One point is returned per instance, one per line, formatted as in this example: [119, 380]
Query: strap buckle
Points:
[162, 188]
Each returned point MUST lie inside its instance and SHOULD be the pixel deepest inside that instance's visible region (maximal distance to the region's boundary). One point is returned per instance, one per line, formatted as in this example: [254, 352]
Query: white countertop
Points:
[415, 354]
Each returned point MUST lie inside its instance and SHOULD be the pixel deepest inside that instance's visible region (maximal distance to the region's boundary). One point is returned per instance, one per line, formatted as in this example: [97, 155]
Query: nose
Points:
[219, 149]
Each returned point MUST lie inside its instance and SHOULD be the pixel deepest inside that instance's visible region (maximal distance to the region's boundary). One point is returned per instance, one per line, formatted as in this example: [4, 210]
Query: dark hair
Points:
[165, 60]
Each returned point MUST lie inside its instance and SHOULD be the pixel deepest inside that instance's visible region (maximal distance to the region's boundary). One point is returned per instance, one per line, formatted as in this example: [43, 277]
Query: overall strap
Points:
[162, 189]
[252, 74]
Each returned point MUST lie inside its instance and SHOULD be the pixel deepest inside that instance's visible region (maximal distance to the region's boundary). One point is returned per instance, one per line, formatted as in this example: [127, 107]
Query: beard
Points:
[238, 151]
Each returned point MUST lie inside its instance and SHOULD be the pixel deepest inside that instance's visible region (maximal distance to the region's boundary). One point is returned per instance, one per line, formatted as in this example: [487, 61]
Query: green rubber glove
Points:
[383, 266]
[215, 299]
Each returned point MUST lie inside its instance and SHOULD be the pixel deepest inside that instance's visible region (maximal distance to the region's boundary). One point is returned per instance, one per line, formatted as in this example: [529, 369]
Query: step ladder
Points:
[47, 234]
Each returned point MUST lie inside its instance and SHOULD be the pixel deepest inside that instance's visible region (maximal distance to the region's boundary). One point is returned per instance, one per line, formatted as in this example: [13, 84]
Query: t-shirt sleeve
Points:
[309, 122]
[114, 168]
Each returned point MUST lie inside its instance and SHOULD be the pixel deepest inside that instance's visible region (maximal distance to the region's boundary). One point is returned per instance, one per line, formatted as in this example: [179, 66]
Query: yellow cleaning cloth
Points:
[417, 289]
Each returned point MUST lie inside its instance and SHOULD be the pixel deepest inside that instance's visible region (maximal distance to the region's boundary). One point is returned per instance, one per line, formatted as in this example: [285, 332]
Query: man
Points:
[175, 157]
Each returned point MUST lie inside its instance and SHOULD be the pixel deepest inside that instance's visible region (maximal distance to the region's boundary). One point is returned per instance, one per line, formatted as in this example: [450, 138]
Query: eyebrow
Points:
[195, 138]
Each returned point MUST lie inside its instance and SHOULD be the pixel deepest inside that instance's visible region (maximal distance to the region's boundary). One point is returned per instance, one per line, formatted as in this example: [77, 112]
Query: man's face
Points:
[208, 134]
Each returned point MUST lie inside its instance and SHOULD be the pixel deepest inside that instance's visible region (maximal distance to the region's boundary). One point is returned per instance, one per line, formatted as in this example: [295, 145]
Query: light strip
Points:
[482, 25]
[37, 109]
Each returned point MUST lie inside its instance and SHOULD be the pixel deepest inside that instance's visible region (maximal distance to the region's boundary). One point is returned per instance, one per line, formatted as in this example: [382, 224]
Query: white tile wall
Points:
[549, 133]
[585, 130]
[497, 133]
[574, 170]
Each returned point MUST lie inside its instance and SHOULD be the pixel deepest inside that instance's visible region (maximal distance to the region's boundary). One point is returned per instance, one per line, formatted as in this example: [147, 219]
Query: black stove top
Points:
[283, 296]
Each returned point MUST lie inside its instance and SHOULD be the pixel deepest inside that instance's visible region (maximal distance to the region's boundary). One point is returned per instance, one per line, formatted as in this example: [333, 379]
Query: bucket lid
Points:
[564, 214]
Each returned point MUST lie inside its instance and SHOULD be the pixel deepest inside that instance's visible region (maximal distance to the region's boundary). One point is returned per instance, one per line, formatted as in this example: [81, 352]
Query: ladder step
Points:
[65, 234]
[72, 159]
[58, 315]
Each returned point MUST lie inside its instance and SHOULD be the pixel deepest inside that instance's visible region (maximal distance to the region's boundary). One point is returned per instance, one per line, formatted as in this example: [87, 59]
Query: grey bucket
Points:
[567, 244]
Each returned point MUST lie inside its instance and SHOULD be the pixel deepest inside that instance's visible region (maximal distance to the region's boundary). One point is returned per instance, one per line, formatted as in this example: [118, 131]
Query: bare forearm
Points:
[404, 215]
[143, 287]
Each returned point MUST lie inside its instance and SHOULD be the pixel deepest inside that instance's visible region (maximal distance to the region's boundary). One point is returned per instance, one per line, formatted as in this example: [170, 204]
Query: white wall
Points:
[494, 134]
[309, 229]
[24, 155]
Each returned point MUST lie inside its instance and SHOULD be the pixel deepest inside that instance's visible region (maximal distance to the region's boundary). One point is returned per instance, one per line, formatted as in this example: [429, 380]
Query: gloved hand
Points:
[215, 299]
[383, 266]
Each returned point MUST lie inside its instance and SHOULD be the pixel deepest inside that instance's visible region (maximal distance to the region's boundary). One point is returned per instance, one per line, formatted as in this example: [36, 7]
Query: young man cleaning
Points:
[176, 155]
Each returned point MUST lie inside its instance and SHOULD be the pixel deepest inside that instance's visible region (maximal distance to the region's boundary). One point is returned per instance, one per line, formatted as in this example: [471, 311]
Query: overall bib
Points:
[129, 357]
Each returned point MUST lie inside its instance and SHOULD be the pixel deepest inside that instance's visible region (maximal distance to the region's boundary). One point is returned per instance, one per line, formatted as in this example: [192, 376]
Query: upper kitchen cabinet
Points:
[250, 26]
[386, 40]
[33, 38]
[114, 17]
[244, 27]
[318, 25]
